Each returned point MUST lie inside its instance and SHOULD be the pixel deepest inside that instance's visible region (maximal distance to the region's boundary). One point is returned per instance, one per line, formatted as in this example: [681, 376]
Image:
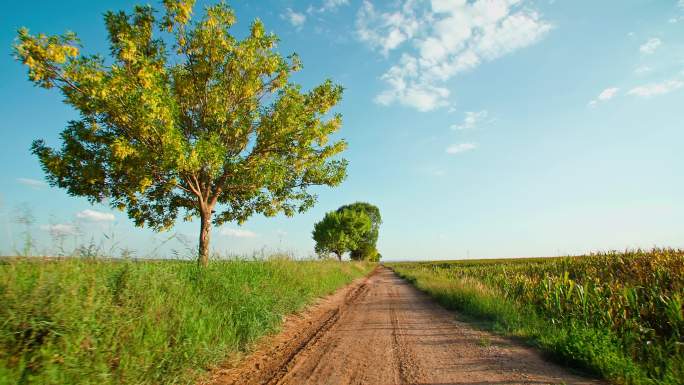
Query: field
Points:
[83, 321]
[619, 315]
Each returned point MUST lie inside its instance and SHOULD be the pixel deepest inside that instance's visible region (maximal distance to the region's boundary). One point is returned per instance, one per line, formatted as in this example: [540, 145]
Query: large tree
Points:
[340, 232]
[184, 118]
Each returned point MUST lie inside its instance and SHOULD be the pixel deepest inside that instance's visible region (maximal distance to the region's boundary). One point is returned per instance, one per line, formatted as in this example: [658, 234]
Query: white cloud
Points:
[237, 233]
[608, 93]
[654, 89]
[296, 19]
[605, 95]
[460, 147]
[385, 30]
[650, 46]
[31, 182]
[423, 97]
[61, 229]
[329, 5]
[94, 216]
[642, 70]
[471, 120]
[445, 38]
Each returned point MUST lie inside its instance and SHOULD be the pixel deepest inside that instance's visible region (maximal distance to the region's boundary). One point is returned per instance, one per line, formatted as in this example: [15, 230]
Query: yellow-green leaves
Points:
[215, 126]
[44, 54]
[121, 149]
[257, 31]
[178, 12]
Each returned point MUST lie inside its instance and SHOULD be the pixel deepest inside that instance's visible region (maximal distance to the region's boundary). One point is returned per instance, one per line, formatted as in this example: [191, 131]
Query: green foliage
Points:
[339, 232]
[617, 314]
[77, 321]
[181, 126]
[366, 249]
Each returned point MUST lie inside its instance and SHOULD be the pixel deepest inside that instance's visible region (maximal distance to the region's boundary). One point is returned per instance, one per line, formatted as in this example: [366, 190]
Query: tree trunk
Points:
[339, 256]
[205, 234]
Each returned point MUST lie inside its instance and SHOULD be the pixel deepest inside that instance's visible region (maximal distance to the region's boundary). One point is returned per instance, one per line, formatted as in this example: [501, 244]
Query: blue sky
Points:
[480, 128]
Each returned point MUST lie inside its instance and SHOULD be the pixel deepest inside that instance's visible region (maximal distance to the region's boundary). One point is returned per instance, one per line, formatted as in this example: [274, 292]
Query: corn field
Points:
[637, 295]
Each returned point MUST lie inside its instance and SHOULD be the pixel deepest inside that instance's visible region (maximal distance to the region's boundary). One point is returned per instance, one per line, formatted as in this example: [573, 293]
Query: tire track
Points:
[309, 343]
[404, 357]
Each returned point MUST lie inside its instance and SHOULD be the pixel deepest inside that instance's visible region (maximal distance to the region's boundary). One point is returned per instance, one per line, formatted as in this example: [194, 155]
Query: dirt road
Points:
[382, 331]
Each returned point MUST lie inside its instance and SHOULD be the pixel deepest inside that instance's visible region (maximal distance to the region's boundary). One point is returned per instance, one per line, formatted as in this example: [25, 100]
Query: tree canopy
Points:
[339, 232]
[366, 247]
[352, 228]
[185, 119]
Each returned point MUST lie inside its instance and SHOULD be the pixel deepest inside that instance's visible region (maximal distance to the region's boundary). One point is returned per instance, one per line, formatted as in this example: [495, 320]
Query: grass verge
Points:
[112, 322]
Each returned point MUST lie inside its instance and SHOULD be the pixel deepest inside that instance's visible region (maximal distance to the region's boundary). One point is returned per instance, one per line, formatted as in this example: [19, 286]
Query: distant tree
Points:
[211, 128]
[340, 232]
[366, 249]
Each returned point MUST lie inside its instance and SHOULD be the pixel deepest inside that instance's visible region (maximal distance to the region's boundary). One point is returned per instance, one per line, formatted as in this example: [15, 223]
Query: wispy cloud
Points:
[605, 95]
[331, 5]
[650, 46]
[642, 70]
[32, 182]
[654, 89]
[432, 171]
[237, 233]
[294, 18]
[677, 19]
[327, 6]
[61, 229]
[386, 30]
[94, 216]
[444, 39]
[472, 120]
[460, 147]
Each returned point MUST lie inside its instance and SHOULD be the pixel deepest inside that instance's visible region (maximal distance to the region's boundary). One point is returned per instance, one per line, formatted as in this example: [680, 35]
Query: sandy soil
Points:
[380, 330]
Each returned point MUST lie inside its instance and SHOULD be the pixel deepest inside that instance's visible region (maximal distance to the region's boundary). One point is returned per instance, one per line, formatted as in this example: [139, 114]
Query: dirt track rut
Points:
[382, 331]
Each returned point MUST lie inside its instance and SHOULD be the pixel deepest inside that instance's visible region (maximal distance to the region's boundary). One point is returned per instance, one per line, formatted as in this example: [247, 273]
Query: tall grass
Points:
[77, 321]
[620, 315]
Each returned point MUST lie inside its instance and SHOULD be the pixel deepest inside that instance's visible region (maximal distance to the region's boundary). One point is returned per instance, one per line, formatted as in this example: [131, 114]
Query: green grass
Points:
[618, 315]
[78, 321]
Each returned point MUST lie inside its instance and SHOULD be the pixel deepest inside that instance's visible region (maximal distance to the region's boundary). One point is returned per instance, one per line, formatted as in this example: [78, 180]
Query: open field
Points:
[78, 321]
[619, 315]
